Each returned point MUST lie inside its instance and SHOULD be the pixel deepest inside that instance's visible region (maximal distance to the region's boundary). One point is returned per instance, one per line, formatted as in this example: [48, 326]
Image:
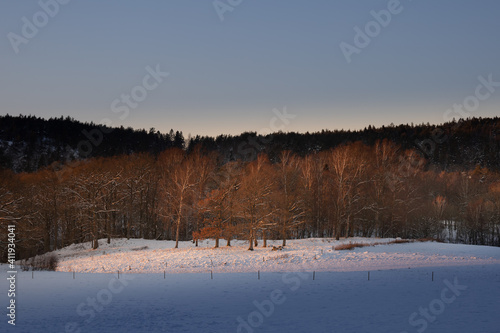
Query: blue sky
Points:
[227, 76]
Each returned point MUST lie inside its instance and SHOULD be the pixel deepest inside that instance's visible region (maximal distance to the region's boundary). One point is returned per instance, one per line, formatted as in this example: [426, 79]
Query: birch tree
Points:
[256, 186]
[177, 182]
[288, 199]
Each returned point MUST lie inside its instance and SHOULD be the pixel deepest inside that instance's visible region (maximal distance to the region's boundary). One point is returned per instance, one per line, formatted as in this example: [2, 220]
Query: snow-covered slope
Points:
[149, 256]
[459, 293]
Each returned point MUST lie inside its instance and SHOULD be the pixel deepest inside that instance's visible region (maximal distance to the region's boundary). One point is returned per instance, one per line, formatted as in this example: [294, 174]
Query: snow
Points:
[150, 256]
[399, 297]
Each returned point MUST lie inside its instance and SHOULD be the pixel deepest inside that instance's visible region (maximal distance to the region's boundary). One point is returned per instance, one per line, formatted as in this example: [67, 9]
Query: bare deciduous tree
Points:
[288, 198]
[177, 182]
[256, 186]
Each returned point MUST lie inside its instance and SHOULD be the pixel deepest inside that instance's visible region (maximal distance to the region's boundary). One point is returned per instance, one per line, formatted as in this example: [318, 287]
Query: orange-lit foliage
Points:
[352, 190]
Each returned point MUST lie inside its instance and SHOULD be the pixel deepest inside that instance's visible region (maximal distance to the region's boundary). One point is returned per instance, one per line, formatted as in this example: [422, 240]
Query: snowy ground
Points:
[399, 297]
[149, 256]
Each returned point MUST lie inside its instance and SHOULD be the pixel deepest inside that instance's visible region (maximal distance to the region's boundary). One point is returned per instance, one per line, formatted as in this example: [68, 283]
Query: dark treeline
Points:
[28, 143]
[451, 146]
[354, 189]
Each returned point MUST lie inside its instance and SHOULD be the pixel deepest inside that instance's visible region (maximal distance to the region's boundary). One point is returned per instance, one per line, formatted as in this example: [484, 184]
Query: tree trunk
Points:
[95, 233]
[108, 228]
[347, 227]
[283, 235]
[128, 226]
[179, 212]
[177, 231]
[56, 226]
[251, 241]
[216, 242]
[47, 235]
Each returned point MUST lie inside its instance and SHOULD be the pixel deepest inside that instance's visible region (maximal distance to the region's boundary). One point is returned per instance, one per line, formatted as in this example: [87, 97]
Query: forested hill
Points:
[28, 143]
[450, 146]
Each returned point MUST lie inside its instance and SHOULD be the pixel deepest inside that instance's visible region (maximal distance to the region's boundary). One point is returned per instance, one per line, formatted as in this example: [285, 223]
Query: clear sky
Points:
[229, 67]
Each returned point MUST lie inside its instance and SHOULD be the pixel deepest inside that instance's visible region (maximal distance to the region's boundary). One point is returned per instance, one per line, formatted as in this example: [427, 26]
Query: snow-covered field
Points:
[149, 256]
[399, 297]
